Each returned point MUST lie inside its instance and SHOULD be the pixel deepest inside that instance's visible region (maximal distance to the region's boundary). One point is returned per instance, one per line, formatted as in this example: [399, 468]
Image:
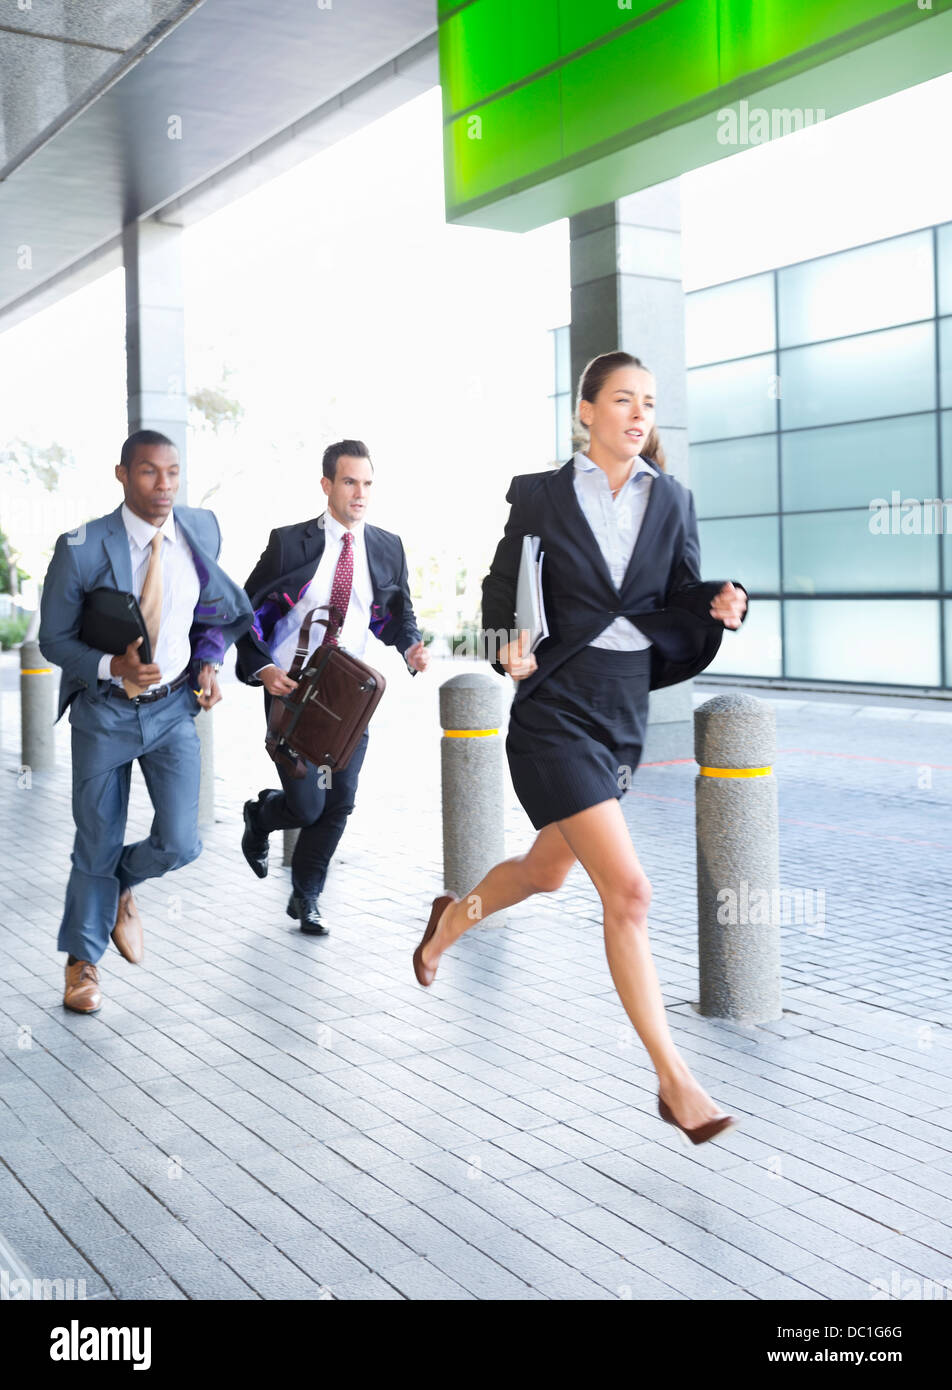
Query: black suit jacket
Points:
[288, 564]
[662, 592]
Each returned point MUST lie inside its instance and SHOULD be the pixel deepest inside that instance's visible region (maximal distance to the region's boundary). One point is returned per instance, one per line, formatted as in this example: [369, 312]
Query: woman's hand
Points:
[516, 659]
[729, 605]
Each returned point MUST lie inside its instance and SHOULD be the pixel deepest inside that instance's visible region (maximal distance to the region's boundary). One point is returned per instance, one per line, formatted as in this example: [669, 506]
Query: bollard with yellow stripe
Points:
[737, 859]
[735, 771]
[38, 686]
[473, 780]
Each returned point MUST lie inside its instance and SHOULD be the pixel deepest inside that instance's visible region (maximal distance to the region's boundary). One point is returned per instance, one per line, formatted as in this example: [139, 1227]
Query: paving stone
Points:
[494, 1137]
[420, 1280]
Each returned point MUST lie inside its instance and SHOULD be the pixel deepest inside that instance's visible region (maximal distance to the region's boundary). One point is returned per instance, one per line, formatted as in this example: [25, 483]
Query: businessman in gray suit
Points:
[122, 709]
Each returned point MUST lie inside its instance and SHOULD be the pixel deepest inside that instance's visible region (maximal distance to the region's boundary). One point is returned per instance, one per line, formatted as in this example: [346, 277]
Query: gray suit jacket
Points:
[96, 556]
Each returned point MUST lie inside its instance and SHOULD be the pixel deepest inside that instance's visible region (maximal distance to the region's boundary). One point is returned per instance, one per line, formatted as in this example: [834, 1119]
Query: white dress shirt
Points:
[353, 635]
[616, 524]
[180, 591]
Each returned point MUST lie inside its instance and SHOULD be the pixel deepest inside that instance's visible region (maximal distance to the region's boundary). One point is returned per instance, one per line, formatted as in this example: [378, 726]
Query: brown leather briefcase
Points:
[324, 719]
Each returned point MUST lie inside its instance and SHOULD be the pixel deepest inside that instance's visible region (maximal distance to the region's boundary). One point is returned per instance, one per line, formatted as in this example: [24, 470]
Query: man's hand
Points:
[276, 681]
[729, 605]
[208, 692]
[516, 659]
[417, 657]
[129, 668]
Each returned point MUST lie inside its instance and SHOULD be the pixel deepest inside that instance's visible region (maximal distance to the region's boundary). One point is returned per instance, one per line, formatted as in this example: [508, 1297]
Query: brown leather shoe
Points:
[82, 988]
[127, 933]
[701, 1134]
[439, 907]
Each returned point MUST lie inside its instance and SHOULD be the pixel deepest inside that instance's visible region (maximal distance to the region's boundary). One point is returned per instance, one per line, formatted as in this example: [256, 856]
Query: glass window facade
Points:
[944, 253]
[755, 648]
[875, 374]
[886, 642]
[733, 320]
[830, 298]
[561, 398]
[821, 463]
[847, 551]
[733, 398]
[850, 465]
[747, 549]
[736, 477]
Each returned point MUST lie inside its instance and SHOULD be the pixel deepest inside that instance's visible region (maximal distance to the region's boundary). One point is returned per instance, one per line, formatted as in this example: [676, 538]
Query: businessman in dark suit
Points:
[363, 569]
[123, 709]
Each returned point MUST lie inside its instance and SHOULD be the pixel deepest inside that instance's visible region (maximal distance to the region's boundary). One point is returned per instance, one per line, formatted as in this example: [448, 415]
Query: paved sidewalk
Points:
[256, 1114]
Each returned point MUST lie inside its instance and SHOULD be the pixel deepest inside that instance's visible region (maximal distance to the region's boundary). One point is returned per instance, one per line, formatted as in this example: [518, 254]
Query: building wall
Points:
[820, 428]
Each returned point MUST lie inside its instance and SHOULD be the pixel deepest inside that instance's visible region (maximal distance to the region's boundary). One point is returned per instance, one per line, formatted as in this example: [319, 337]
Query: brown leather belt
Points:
[150, 696]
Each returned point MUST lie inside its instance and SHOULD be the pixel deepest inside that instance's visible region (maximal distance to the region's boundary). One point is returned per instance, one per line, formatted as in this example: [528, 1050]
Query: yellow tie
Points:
[150, 604]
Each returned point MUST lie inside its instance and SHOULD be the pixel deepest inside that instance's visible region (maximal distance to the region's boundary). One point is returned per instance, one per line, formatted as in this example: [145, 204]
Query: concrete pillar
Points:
[155, 382]
[738, 871]
[155, 333]
[627, 294]
[471, 714]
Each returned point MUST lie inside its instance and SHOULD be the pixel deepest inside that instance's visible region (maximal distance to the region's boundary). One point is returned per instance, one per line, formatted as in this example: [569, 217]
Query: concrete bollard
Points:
[738, 866]
[38, 690]
[206, 787]
[471, 712]
[290, 840]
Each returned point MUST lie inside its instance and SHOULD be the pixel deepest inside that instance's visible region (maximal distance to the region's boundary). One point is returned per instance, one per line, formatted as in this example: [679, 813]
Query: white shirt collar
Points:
[335, 530]
[142, 531]
[583, 464]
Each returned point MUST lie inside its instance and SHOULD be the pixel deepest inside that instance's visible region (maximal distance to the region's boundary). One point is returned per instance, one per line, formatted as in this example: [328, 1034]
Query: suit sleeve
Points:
[408, 632]
[686, 588]
[61, 616]
[500, 584]
[251, 651]
[207, 642]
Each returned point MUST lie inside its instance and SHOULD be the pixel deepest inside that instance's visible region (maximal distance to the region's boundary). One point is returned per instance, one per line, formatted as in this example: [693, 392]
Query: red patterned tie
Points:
[343, 583]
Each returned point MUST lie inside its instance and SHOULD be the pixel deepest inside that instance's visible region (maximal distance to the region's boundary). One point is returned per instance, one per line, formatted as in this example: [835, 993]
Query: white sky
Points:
[342, 304]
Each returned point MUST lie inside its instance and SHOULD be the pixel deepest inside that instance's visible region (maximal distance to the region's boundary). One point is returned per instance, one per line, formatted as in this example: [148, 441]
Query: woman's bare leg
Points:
[541, 870]
[599, 839]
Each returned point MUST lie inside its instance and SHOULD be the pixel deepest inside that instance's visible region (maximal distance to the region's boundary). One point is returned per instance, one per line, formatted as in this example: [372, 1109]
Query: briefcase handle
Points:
[333, 622]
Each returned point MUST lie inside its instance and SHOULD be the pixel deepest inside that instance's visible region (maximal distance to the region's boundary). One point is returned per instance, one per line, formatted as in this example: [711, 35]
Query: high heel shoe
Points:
[439, 907]
[720, 1124]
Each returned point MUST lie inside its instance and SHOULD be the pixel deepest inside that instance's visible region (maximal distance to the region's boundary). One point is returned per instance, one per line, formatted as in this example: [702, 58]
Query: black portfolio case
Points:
[111, 620]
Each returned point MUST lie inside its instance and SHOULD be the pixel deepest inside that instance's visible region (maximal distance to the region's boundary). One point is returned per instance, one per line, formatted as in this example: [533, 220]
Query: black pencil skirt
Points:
[577, 738]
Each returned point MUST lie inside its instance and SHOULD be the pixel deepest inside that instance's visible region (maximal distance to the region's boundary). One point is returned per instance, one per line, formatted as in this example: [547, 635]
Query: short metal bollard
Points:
[290, 840]
[738, 865]
[471, 712]
[38, 688]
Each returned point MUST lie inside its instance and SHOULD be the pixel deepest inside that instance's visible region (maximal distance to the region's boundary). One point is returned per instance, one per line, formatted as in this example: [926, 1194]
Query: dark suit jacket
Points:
[662, 592]
[95, 556]
[286, 568]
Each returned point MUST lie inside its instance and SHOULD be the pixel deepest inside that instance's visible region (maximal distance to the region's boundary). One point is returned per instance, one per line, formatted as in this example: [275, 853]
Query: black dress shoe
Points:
[307, 912]
[254, 845]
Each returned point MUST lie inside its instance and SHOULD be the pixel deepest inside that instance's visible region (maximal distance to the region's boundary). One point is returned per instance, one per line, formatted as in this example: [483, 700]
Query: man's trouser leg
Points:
[100, 806]
[318, 805]
[107, 737]
[171, 766]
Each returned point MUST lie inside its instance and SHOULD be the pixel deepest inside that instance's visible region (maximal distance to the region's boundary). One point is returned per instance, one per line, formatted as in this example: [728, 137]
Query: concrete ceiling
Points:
[151, 106]
[54, 54]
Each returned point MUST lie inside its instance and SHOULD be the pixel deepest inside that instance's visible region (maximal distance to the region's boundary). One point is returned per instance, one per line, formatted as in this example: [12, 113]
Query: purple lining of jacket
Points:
[267, 615]
[207, 642]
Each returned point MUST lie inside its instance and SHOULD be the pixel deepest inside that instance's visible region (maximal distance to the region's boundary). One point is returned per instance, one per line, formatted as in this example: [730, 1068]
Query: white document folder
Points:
[530, 609]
